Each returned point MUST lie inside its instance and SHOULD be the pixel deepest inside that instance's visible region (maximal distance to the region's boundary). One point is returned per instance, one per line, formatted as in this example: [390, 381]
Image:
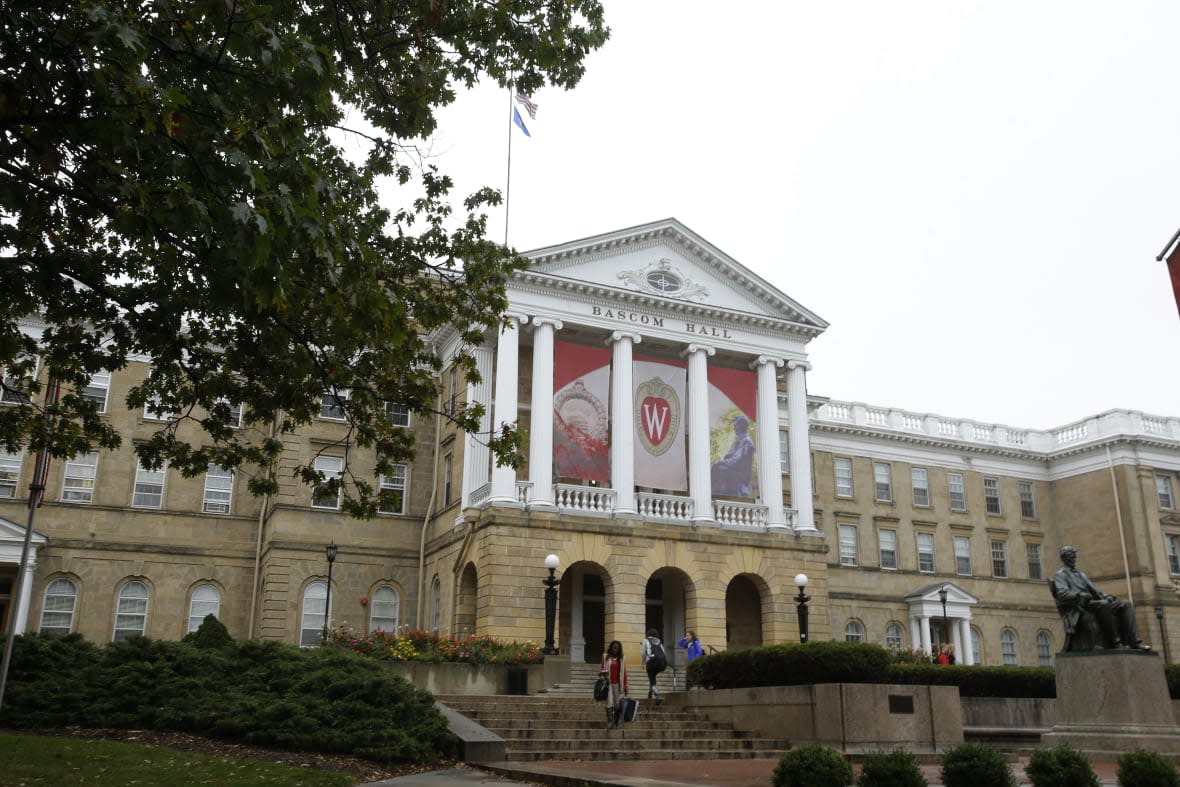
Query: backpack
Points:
[658, 660]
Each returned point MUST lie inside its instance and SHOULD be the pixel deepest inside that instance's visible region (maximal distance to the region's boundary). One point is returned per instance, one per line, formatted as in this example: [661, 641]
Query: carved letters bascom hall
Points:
[658, 322]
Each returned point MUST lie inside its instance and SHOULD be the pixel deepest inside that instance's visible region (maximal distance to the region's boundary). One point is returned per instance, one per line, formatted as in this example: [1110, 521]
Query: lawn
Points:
[34, 760]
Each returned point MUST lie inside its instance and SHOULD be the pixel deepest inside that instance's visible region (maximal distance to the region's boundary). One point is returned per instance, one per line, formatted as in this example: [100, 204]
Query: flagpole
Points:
[508, 187]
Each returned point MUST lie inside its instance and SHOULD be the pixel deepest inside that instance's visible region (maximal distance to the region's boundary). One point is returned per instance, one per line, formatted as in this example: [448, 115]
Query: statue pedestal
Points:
[1113, 701]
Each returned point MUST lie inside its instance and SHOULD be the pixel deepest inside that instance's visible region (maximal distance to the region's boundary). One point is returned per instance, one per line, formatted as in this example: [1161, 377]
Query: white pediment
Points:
[927, 601]
[12, 540]
[664, 264]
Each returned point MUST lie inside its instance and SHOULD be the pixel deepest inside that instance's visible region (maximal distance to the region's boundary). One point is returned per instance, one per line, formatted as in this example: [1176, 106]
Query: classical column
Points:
[799, 447]
[26, 594]
[476, 456]
[541, 425]
[700, 481]
[924, 623]
[770, 471]
[622, 421]
[956, 639]
[967, 653]
[505, 405]
[915, 633]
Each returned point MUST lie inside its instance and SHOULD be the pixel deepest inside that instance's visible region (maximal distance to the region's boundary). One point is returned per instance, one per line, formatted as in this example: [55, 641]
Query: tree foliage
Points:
[174, 188]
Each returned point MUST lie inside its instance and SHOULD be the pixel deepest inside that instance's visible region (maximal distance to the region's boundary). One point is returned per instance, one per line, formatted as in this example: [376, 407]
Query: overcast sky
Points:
[971, 193]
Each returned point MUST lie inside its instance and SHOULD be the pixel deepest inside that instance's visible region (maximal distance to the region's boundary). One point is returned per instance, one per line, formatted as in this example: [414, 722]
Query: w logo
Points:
[657, 415]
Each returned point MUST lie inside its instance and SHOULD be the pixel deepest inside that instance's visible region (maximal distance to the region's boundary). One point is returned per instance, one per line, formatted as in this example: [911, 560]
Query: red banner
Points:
[581, 426]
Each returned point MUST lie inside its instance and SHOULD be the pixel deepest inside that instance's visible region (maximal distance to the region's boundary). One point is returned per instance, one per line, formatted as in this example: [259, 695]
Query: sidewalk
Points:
[646, 773]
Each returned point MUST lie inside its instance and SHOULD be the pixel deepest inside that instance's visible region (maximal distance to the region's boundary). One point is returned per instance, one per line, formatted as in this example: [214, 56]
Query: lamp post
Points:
[331, 551]
[942, 592]
[801, 605]
[1159, 615]
[551, 583]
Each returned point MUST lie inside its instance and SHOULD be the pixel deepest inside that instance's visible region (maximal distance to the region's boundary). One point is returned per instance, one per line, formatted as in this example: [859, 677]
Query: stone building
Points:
[677, 466]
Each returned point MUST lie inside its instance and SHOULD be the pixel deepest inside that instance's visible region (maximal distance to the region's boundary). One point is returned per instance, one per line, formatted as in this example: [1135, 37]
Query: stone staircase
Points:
[582, 677]
[548, 727]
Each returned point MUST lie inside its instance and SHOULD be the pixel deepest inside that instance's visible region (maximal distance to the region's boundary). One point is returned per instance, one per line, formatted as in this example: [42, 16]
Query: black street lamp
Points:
[551, 563]
[1159, 615]
[331, 550]
[942, 592]
[801, 605]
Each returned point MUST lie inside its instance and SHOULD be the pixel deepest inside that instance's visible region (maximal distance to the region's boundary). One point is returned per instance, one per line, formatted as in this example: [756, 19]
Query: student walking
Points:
[615, 670]
[693, 645]
[655, 661]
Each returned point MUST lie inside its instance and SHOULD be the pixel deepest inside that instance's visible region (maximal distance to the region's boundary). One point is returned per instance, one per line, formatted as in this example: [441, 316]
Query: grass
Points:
[33, 760]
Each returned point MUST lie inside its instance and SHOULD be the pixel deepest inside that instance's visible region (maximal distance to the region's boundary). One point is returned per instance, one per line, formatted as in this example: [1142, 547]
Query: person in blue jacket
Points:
[693, 645]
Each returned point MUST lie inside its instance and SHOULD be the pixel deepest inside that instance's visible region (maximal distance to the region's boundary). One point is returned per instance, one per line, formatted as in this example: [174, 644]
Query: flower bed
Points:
[435, 648]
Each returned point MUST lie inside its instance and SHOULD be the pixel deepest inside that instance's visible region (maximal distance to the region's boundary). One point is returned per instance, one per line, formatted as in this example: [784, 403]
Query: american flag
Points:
[528, 105]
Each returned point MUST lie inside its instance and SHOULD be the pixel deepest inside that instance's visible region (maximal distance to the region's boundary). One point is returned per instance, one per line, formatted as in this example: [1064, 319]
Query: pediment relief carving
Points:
[665, 279]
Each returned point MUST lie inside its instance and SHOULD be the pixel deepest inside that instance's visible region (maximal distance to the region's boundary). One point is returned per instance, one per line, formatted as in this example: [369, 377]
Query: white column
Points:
[505, 405]
[700, 480]
[541, 425]
[799, 446]
[26, 594]
[967, 656]
[770, 471]
[924, 623]
[957, 640]
[476, 457]
[622, 421]
[915, 633]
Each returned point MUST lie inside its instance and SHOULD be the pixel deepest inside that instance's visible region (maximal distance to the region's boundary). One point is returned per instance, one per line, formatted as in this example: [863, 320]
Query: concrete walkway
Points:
[646, 773]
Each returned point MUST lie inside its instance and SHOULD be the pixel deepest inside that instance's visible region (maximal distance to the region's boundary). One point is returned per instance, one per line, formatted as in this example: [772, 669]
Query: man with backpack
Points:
[655, 660]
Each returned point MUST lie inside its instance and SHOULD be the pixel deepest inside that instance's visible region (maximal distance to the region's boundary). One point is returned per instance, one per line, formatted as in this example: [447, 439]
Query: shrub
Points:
[812, 765]
[428, 646]
[792, 664]
[1143, 768]
[1061, 766]
[979, 681]
[1172, 673]
[897, 768]
[976, 765]
[211, 634]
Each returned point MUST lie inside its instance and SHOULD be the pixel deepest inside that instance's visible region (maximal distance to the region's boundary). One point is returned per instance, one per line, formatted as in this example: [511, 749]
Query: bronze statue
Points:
[1093, 620]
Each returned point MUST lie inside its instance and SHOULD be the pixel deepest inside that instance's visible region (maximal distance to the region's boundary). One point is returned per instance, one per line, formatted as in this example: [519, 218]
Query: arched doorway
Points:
[665, 602]
[465, 605]
[582, 612]
[743, 613]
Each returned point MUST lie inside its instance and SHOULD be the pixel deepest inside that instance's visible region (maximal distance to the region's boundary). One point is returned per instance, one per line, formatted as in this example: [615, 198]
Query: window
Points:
[206, 600]
[854, 631]
[1036, 568]
[233, 417]
[384, 608]
[1044, 649]
[887, 539]
[843, 477]
[10, 472]
[1173, 545]
[149, 487]
[100, 385]
[1028, 508]
[848, 551]
[154, 410]
[315, 614]
[894, 639]
[13, 388]
[963, 556]
[956, 491]
[399, 415]
[393, 491]
[926, 553]
[453, 402]
[1008, 647]
[991, 495]
[920, 480]
[57, 611]
[784, 453]
[999, 558]
[447, 478]
[883, 482]
[332, 468]
[976, 646]
[131, 614]
[78, 483]
[219, 490]
[435, 603]
[332, 405]
[1163, 488]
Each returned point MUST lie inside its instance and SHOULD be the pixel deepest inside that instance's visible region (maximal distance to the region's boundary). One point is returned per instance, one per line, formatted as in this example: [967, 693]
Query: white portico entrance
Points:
[941, 619]
[12, 539]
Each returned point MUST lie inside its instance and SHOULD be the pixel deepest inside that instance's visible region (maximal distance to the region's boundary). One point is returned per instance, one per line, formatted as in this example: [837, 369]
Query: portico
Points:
[927, 611]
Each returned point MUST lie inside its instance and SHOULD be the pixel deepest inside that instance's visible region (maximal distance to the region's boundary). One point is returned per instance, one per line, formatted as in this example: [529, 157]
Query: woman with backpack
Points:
[655, 661]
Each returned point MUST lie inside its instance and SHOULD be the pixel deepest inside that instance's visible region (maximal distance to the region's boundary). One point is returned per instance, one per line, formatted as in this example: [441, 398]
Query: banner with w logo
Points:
[660, 457]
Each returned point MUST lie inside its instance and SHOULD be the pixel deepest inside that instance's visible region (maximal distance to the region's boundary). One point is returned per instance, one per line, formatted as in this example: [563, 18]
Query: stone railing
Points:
[665, 508]
[1113, 423]
[746, 516]
[584, 499]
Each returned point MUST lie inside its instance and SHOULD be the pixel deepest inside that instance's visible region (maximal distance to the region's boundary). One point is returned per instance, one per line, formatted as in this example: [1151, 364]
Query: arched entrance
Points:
[665, 600]
[465, 605]
[743, 612]
[581, 612]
